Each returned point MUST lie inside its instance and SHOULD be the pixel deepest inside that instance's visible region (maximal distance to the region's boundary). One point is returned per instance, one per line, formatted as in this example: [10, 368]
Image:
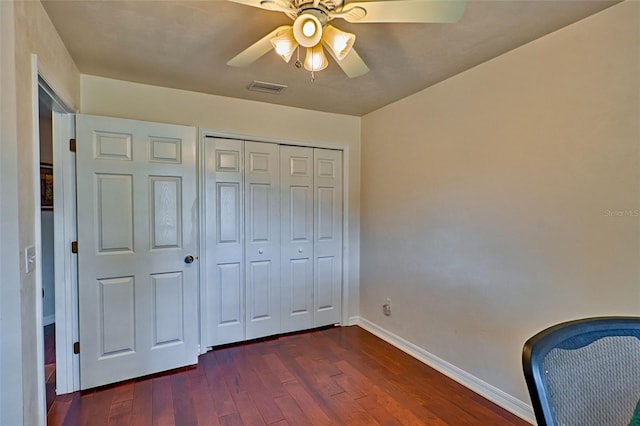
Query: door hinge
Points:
[72, 145]
[74, 247]
[76, 348]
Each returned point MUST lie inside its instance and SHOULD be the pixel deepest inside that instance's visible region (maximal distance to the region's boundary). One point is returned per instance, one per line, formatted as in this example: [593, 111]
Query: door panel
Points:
[115, 225]
[328, 237]
[116, 321]
[230, 297]
[296, 180]
[224, 246]
[262, 246]
[136, 192]
[166, 212]
[167, 308]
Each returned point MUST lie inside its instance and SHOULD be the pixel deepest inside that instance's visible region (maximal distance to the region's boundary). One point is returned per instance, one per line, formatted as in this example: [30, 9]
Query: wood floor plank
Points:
[291, 410]
[73, 416]
[162, 402]
[232, 419]
[270, 381]
[183, 410]
[59, 409]
[203, 401]
[279, 369]
[120, 413]
[123, 392]
[379, 413]
[247, 409]
[256, 389]
[223, 403]
[308, 404]
[329, 376]
[96, 407]
[142, 404]
[389, 397]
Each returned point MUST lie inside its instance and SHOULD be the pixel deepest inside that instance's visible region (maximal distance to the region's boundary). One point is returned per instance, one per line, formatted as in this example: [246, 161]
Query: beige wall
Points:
[34, 34]
[102, 96]
[507, 198]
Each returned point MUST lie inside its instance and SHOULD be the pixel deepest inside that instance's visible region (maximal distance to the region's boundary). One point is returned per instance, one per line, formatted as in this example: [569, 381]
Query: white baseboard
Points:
[353, 321]
[493, 394]
[48, 320]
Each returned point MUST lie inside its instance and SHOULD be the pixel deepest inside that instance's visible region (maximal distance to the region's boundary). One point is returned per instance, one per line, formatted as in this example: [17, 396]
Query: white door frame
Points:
[67, 365]
[65, 262]
[204, 133]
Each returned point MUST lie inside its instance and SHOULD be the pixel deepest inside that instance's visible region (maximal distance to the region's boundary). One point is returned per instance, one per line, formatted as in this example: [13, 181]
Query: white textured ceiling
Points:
[186, 44]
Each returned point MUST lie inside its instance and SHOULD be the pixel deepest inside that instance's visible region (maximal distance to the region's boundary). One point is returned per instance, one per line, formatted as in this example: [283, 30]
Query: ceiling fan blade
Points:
[418, 11]
[257, 49]
[254, 3]
[352, 64]
[277, 5]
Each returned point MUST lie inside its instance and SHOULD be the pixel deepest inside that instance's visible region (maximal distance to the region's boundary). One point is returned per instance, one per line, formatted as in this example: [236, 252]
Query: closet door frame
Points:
[346, 282]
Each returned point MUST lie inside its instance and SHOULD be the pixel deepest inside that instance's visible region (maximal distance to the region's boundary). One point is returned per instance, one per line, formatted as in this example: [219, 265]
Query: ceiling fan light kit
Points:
[285, 44]
[307, 29]
[340, 42]
[315, 60]
[310, 28]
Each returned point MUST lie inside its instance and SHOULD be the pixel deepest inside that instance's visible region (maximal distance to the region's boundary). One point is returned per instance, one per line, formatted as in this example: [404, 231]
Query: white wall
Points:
[102, 96]
[10, 330]
[34, 34]
[507, 198]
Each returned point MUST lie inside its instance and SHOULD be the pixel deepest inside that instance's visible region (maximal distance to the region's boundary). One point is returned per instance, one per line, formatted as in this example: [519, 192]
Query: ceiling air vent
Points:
[266, 87]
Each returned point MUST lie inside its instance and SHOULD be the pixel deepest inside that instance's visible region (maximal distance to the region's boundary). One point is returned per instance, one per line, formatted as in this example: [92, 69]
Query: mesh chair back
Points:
[585, 372]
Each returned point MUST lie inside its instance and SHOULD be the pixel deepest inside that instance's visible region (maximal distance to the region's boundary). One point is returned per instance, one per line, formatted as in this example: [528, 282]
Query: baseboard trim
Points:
[355, 320]
[49, 319]
[493, 394]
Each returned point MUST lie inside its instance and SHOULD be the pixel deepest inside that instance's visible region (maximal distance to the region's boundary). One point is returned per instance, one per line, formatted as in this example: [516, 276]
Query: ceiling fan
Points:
[312, 31]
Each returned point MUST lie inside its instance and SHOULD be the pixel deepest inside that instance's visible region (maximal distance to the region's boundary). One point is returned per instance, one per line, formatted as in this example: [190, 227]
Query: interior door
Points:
[262, 238]
[137, 230]
[327, 273]
[296, 173]
[224, 286]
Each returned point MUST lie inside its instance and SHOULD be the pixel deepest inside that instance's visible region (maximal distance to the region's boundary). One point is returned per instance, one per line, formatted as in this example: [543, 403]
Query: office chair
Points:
[585, 372]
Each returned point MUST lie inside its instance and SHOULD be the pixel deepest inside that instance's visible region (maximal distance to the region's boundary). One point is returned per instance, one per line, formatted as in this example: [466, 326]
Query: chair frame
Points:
[538, 346]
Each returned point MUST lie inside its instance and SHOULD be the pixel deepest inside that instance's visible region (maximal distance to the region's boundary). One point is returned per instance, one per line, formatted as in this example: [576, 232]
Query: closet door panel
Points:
[296, 180]
[327, 236]
[224, 285]
[262, 243]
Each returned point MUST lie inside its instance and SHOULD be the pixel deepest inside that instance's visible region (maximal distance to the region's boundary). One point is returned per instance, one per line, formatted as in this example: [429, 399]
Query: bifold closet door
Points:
[296, 181]
[273, 223]
[262, 239]
[327, 236]
[225, 313]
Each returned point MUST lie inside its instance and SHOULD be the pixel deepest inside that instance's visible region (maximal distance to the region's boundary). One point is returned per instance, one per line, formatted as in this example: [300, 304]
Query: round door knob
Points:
[300, 250]
[260, 251]
[189, 259]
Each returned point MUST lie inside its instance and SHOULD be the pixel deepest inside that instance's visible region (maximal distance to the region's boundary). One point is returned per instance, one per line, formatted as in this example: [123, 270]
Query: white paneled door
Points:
[273, 239]
[262, 238]
[224, 250]
[296, 171]
[137, 240]
[327, 235]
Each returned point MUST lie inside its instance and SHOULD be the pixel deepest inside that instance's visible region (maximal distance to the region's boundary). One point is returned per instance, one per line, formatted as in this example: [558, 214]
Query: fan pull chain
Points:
[298, 64]
[313, 77]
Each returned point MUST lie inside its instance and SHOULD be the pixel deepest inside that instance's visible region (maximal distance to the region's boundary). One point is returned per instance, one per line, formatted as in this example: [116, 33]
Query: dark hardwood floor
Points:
[334, 376]
[50, 363]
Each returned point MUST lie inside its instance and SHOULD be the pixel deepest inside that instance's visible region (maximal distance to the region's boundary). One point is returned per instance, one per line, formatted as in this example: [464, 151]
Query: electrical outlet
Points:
[386, 308]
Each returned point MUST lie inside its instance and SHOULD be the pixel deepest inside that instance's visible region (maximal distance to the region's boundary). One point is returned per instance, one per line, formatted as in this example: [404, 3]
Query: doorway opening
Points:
[45, 120]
